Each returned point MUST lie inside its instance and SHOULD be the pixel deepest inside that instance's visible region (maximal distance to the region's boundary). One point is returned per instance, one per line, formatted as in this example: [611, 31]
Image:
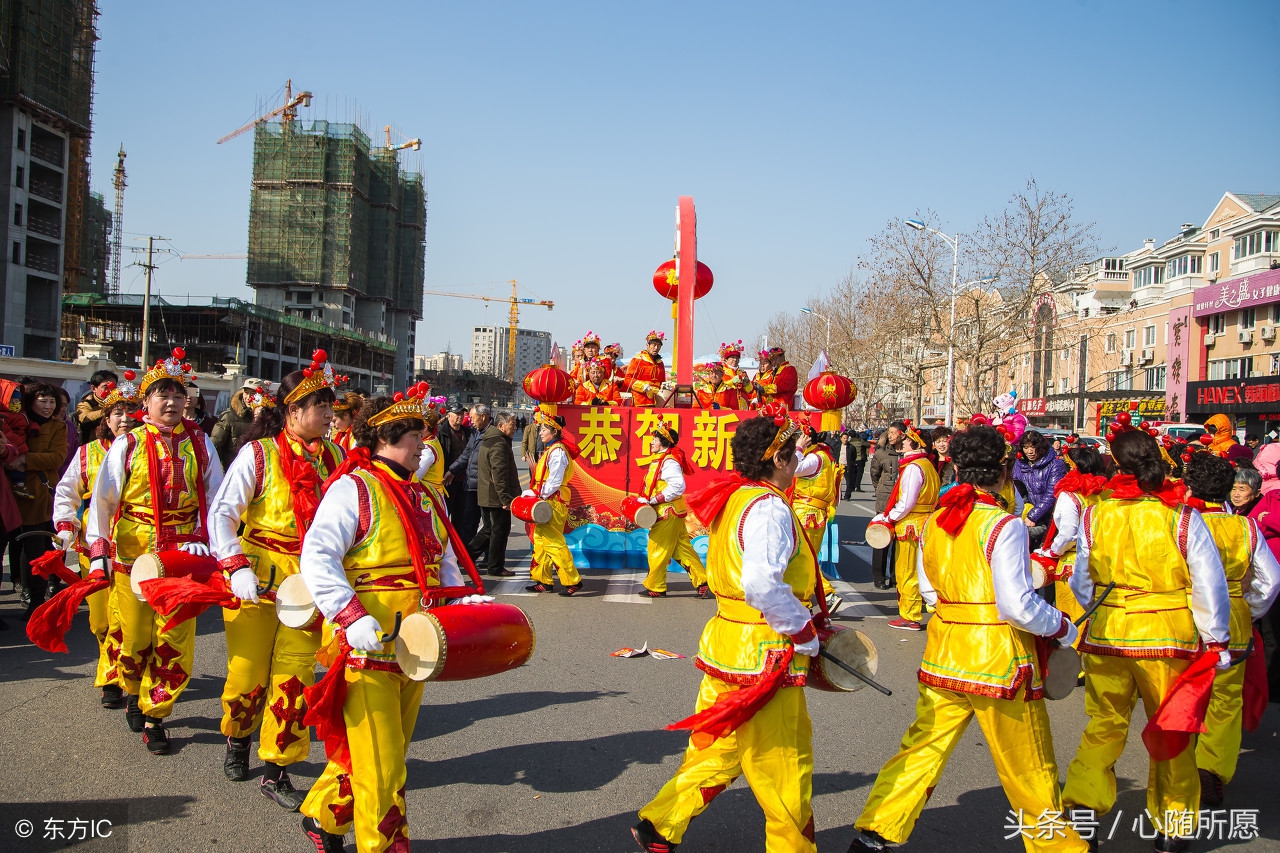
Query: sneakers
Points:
[155, 737]
[133, 714]
[654, 594]
[281, 790]
[649, 839]
[570, 590]
[704, 591]
[1170, 844]
[325, 842]
[236, 763]
[539, 586]
[905, 624]
[866, 840]
[834, 603]
[1210, 789]
[112, 696]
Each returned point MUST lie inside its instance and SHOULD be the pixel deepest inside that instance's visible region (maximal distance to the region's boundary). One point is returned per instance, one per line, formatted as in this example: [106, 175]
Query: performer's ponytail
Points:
[1137, 453]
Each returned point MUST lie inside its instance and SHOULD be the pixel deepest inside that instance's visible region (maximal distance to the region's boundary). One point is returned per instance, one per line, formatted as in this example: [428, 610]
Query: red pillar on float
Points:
[687, 271]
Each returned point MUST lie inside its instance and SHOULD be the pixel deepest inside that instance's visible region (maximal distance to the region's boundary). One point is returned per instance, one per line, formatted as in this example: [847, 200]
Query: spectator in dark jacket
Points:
[498, 484]
[46, 451]
[941, 442]
[231, 423]
[884, 473]
[466, 471]
[89, 409]
[1039, 470]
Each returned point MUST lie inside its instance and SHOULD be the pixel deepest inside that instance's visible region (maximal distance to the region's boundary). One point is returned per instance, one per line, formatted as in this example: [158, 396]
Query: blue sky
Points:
[557, 137]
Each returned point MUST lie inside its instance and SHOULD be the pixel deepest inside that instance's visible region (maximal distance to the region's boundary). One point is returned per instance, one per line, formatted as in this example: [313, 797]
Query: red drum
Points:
[1044, 570]
[171, 564]
[879, 534]
[458, 642]
[638, 512]
[532, 509]
[852, 648]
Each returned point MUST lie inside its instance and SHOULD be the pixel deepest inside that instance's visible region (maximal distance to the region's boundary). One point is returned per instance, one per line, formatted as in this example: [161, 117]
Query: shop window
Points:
[1130, 338]
[1248, 318]
[1231, 368]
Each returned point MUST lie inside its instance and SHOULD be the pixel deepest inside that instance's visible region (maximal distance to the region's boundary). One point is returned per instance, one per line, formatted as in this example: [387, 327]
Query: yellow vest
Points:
[654, 484]
[135, 530]
[1141, 545]
[737, 640]
[813, 496]
[540, 473]
[910, 525]
[435, 474]
[969, 648]
[1236, 537]
[88, 462]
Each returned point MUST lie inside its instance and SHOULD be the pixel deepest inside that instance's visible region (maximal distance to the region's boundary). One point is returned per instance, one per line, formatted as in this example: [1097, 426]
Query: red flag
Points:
[736, 707]
[1256, 690]
[182, 598]
[50, 621]
[52, 563]
[1181, 714]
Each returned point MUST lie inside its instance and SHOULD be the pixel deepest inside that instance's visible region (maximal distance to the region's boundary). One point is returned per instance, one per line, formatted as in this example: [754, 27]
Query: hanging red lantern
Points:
[664, 281]
[548, 384]
[829, 390]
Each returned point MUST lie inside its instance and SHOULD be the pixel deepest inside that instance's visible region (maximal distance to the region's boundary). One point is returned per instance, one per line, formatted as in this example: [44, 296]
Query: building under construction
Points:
[46, 99]
[337, 234]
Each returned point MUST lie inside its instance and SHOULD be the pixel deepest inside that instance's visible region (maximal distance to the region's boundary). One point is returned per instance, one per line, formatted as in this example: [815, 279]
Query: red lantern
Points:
[548, 384]
[664, 281]
[828, 391]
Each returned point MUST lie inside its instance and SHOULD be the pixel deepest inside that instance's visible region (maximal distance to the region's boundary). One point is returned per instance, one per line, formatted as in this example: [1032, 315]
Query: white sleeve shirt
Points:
[768, 543]
[66, 497]
[1016, 599]
[810, 465]
[673, 475]
[238, 489]
[557, 464]
[910, 484]
[428, 459]
[1066, 520]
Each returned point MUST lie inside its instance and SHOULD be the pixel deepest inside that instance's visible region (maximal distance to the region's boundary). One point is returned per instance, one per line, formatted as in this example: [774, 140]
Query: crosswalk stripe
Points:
[627, 587]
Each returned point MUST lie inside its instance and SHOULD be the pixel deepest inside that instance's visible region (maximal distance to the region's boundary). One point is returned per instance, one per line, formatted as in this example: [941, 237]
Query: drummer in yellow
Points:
[669, 537]
[979, 660]
[271, 492]
[1252, 579]
[914, 496]
[362, 566]
[70, 501]
[431, 468]
[754, 653]
[550, 482]
[814, 497]
[152, 494]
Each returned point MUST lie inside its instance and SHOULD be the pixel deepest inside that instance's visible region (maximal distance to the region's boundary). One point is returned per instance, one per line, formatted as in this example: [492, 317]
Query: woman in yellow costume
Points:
[431, 467]
[378, 546]
[550, 481]
[814, 497]
[914, 496]
[70, 501]
[344, 415]
[980, 658]
[1081, 487]
[1169, 613]
[669, 538]
[751, 717]
[257, 524]
[152, 494]
[1252, 578]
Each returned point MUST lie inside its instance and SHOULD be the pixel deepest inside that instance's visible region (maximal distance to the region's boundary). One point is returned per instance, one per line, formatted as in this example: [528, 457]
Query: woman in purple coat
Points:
[1039, 469]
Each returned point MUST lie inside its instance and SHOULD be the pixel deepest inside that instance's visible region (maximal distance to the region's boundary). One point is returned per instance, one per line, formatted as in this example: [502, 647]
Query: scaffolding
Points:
[47, 52]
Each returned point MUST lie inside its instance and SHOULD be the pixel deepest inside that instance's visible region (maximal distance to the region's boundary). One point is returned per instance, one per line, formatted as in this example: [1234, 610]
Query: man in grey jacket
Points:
[498, 484]
[884, 473]
[466, 469]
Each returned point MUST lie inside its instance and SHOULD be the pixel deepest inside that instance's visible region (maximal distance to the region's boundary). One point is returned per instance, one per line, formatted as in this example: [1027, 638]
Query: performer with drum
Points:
[597, 389]
[256, 527]
[752, 719]
[345, 407]
[431, 467]
[817, 487]
[377, 547]
[669, 537]
[646, 372]
[776, 379]
[152, 495]
[550, 482]
[1252, 581]
[1169, 611]
[70, 502]
[1081, 487]
[979, 659]
[914, 496]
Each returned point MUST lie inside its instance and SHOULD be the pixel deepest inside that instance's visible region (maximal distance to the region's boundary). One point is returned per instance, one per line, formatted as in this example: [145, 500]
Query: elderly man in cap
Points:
[454, 433]
[234, 421]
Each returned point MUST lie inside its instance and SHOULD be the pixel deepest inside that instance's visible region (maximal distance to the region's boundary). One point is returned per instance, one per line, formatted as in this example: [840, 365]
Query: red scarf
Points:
[164, 539]
[50, 621]
[707, 503]
[897, 484]
[1202, 506]
[1080, 484]
[1181, 714]
[1124, 487]
[957, 503]
[303, 478]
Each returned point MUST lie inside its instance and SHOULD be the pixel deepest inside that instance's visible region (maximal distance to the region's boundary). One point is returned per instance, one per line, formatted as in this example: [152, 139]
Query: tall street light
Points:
[820, 317]
[954, 242]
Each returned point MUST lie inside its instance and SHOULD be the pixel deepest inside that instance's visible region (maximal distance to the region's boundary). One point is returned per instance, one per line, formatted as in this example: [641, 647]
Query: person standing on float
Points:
[776, 380]
[817, 486]
[646, 372]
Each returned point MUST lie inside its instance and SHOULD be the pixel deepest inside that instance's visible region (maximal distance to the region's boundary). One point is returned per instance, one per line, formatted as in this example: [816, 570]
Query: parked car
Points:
[1189, 432]
[1095, 441]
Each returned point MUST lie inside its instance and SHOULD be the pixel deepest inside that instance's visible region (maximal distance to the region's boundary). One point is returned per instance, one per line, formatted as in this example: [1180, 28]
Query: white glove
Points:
[1069, 638]
[1224, 661]
[244, 584]
[475, 599]
[365, 634]
[65, 538]
[527, 493]
[879, 516]
[198, 549]
[103, 565]
[809, 648]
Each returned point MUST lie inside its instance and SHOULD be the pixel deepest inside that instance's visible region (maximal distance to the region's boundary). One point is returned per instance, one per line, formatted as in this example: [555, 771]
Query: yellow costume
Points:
[669, 537]
[977, 664]
[814, 501]
[773, 749]
[550, 551]
[914, 496]
[1143, 636]
[434, 475]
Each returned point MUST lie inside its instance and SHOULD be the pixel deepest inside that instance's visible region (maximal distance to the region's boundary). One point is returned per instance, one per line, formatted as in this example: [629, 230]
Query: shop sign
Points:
[1260, 288]
[1032, 406]
[1238, 395]
[1061, 405]
[1148, 409]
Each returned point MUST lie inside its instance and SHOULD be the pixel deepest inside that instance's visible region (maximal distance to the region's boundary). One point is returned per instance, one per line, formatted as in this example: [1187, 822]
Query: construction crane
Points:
[117, 235]
[414, 143]
[232, 256]
[513, 319]
[287, 113]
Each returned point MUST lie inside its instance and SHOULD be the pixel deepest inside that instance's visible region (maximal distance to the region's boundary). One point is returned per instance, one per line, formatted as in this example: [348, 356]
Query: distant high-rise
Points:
[489, 351]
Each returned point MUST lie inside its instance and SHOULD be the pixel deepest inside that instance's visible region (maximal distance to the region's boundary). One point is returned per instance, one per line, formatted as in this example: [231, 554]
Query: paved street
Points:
[556, 756]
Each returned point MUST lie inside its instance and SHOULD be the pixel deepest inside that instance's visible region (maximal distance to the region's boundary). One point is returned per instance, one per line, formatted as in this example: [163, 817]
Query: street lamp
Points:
[919, 225]
[820, 317]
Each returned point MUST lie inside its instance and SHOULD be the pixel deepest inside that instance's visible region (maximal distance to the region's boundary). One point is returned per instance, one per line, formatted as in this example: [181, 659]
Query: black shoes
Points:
[155, 737]
[653, 594]
[649, 839]
[501, 573]
[1170, 844]
[867, 841]
[570, 589]
[112, 697]
[133, 714]
[1210, 789]
[236, 763]
[325, 842]
[704, 591]
[280, 789]
[539, 586]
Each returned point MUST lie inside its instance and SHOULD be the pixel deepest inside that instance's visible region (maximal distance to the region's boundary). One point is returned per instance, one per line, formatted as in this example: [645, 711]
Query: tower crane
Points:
[288, 113]
[414, 143]
[117, 234]
[513, 319]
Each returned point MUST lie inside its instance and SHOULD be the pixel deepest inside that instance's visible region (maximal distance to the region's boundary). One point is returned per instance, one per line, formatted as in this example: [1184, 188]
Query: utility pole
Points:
[150, 268]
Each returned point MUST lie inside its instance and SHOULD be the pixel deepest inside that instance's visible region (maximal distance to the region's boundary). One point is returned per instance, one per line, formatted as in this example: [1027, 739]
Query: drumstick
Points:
[386, 638]
[865, 678]
[1096, 604]
[1245, 656]
[263, 590]
[31, 533]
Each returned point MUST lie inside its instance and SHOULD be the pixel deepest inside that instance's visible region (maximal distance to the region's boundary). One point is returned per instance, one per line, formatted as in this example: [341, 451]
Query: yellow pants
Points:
[669, 540]
[910, 603]
[380, 713]
[105, 628]
[1218, 749]
[1021, 743]
[815, 539]
[550, 551]
[774, 750]
[155, 665]
[1112, 686]
[268, 667]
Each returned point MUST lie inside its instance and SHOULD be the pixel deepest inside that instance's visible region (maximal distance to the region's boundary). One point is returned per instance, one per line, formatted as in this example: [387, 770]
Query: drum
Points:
[1044, 570]
[531, 509]
[638, 512]
[1063, 671]
[170, 564]
[457, 642]
[851, 647]
[294, 606]
[879, 534]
